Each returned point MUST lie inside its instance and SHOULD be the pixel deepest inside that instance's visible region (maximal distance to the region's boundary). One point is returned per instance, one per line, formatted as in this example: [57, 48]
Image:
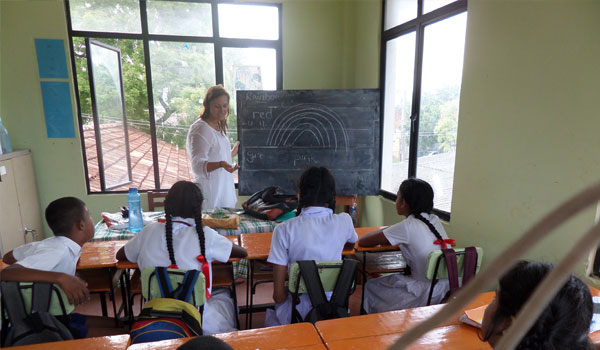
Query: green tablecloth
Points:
[248, 224]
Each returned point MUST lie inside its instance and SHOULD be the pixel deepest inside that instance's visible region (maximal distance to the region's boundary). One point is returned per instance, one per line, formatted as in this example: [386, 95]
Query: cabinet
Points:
[20, 217]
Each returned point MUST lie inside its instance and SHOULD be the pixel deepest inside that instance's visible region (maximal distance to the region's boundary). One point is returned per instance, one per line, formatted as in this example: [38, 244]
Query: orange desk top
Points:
[361, 231]
[297, 336]
[392, 322]
[114, 342]
[461, 337]
[95, 255]
[3, 265]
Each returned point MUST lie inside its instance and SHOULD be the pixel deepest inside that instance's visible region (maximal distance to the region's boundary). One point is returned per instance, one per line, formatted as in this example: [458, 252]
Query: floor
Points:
[263, 296]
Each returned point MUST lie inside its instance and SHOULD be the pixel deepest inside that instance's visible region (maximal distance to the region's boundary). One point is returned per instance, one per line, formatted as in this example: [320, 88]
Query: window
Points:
[142, 69]
[423, 46]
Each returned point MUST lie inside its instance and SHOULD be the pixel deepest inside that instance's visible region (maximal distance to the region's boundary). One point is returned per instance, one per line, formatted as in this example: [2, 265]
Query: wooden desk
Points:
[296, 336]
[114, 342]
[97, 255]
[391, 322]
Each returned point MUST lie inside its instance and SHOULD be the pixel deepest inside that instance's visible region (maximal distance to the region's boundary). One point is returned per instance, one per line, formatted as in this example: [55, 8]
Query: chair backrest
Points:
[151, 287]
[59, 303]
[437, 269]
[328, 271]
[156, 199]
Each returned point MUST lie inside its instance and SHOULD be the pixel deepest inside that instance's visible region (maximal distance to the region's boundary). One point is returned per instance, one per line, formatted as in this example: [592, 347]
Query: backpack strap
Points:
[451, 264]
[310, 275]
[164, 282]
[344, 283]
[184, 291]
[40, 297]
[469, 265]
[13, 302]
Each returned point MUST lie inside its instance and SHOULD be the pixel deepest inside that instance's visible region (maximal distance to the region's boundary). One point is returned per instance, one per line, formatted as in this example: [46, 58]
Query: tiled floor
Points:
[263, 296]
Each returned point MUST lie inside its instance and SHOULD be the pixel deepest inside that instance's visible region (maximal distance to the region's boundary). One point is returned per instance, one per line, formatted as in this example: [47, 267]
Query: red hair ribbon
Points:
[444, 242]
[206, 273]
[173, 266]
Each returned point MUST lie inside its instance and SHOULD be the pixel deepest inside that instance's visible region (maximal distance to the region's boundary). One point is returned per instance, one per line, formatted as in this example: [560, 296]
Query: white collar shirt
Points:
[56, 254]
[316, 234]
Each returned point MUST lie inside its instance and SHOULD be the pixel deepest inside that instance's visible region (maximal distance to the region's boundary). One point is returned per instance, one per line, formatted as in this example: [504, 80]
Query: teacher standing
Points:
[210, 152]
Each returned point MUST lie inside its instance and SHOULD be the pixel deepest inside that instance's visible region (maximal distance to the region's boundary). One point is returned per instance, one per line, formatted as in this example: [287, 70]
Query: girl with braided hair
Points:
[315, 234]
[564, 323]
[182, 242]
[418, 235]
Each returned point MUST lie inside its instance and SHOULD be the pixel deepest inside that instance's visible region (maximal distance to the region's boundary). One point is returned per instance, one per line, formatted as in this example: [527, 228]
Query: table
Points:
[248, 224]
[379, 331]
[292, 336]
[113, 342]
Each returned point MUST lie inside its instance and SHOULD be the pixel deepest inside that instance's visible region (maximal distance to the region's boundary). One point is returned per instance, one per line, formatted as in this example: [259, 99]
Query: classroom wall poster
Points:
[58, 109]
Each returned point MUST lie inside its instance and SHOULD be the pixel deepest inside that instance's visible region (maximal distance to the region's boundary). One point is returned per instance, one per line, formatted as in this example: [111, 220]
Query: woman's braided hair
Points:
[316, 188]
[418, 195]
[564, 323]
[184, 200]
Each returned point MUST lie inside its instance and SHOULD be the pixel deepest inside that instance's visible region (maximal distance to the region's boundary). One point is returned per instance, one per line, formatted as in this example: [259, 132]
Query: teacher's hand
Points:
[229, 167]
[234, 150]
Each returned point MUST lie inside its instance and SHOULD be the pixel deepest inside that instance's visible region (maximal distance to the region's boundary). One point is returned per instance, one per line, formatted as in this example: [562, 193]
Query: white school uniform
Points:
[205, 144]
[316, 234]
[149, 248]
[57, 254]
[397, 291]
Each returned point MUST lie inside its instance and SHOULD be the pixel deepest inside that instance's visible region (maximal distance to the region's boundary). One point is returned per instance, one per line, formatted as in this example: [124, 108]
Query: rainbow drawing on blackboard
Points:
[323, 127]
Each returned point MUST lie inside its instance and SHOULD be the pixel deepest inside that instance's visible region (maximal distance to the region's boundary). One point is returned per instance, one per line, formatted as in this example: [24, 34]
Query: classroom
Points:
[528, 101]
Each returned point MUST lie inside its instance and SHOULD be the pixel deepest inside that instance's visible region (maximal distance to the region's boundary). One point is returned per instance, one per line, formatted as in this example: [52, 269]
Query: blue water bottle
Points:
[136, 221]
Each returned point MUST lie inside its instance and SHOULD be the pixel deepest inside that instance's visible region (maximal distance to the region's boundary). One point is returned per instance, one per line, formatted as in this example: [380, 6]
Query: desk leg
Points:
[247, 292]
[129, 304]
[234, 296]
[364, 282]
[111, 294]
[251, 294]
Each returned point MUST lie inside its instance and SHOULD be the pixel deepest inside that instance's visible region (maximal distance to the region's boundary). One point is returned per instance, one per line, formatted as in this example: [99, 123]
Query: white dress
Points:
[317, 234]
[397, 291]
[149, 248]
[205, 144]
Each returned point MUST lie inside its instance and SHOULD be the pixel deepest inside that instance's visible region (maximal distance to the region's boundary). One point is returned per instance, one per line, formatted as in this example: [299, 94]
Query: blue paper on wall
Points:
[52, 62]
[58, 110]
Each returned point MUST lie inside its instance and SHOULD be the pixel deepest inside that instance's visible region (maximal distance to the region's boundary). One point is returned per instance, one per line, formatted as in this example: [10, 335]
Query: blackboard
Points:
[284, 132]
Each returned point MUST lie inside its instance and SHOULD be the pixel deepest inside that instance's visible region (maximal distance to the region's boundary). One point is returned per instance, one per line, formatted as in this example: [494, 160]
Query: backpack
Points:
[37, 326]
[323, 309]
[171, 316]
[269, 203]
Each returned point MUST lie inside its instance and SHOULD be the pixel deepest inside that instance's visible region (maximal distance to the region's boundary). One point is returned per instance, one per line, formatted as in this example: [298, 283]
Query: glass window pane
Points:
[440, 91]
[398, 12]
[247, 69]
[111, 119]
[430, 5]
[248, 21]
[122, 16]
[399, 77]
[179, 18]
[181, 74]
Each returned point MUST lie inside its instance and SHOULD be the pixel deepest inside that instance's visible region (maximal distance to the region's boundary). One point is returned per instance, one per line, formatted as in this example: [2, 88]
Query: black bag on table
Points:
[269, 203]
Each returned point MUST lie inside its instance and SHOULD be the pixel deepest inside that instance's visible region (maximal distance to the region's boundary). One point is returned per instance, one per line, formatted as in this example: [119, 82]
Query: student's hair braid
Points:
[184, 200]
[169, 235]
[197, 206]
[316, 187]
[418, 195]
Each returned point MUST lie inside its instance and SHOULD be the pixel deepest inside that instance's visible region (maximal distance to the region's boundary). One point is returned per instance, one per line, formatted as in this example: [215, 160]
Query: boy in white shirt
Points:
[54, 260]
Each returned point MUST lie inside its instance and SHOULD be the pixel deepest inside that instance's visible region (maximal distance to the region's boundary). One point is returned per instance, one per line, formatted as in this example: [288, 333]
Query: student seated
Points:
[418, 235]
[564, 323]
[315, 234]
[54, 260]
[182, 242]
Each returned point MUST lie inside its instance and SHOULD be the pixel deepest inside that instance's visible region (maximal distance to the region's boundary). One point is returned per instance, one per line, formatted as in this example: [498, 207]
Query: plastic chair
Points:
[437, 268]
[156, 199]
[329, 271]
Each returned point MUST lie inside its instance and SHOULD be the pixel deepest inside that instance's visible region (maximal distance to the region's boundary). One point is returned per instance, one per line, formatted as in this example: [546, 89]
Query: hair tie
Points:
[444, 242]
[206, 273]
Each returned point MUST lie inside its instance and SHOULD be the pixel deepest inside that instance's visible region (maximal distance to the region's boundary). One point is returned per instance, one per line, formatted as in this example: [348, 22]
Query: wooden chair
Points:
[437, 267]
[156, 199]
